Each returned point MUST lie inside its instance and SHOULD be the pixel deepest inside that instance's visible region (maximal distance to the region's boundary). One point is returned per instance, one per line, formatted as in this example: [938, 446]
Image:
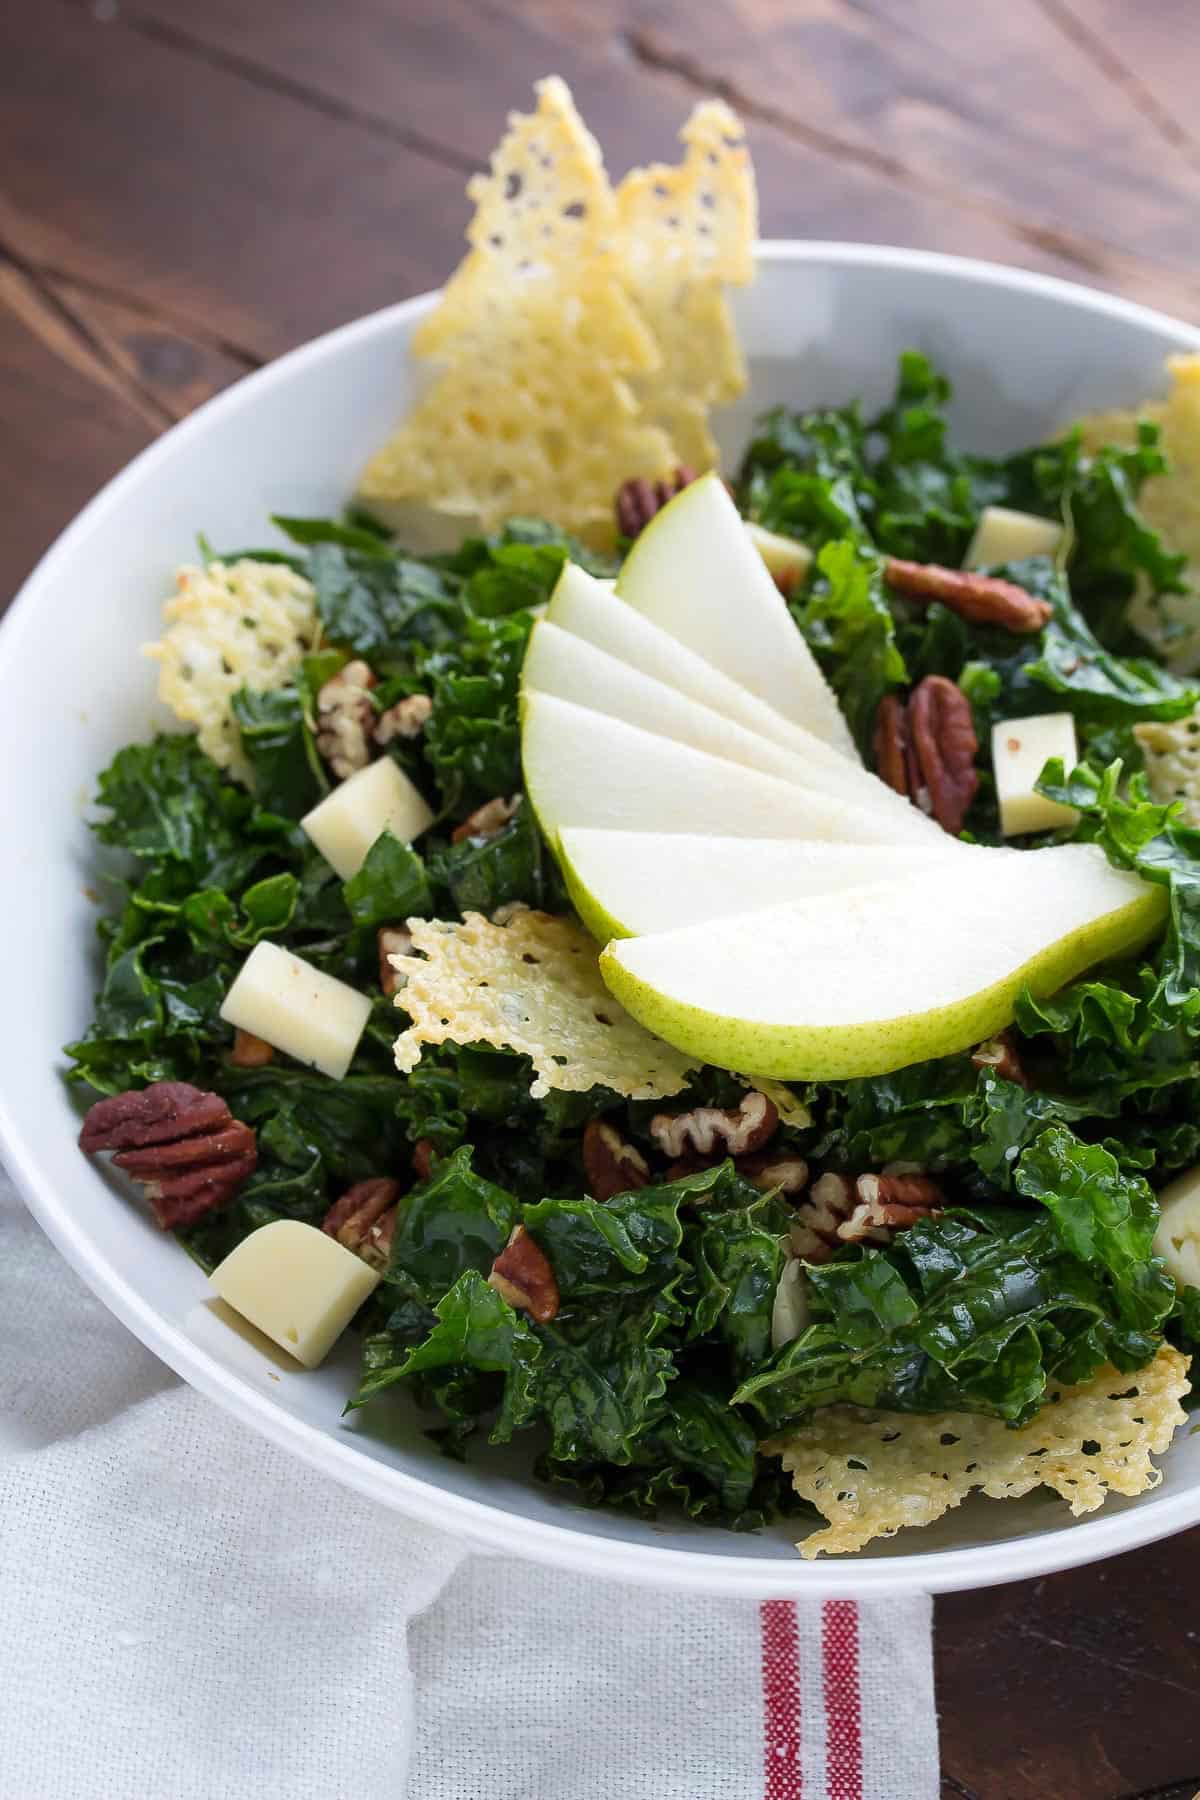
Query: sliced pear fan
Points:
[589, 609]
[568, 668]
[582, 768]
[625, 883]
[695, 572]
[875, 978]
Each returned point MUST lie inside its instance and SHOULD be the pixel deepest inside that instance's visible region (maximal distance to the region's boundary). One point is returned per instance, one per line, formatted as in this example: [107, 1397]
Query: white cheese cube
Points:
[1177, 1239]
[298, 1286]
[301, 1010]
[347, 822]
[1004, 536]
[1020, 750]
[788, 560]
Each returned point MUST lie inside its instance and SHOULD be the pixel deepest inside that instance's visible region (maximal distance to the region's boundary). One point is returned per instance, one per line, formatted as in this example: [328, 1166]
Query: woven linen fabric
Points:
[192, 1614]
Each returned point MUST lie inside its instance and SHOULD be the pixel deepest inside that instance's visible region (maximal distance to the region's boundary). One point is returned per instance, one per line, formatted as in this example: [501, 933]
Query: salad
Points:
[1021, 1249]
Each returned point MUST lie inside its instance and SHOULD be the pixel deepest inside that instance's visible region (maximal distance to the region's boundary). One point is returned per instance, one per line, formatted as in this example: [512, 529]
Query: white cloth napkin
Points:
[188, 1613]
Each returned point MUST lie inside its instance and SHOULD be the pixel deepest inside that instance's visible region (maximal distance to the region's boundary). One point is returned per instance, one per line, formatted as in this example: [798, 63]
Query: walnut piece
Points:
[345, 719]
[710, 1131]
[364, 1219]
[250, 1052]
[638, 500]
[392, 940]
[926, 750]
[182, 1145]
[488, 820]
[406, 719]
[611, 1165]
[870, 1209]
[983, 599]
[1000, 1053]
[522, 1275]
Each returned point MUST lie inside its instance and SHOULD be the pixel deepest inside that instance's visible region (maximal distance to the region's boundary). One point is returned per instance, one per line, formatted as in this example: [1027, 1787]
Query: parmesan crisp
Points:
[585, 335]
[1169, 503]
[870, 1473]
[230, 626]
[533, 986]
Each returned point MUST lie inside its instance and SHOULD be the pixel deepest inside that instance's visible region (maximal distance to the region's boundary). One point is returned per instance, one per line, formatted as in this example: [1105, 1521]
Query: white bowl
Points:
[823, 322]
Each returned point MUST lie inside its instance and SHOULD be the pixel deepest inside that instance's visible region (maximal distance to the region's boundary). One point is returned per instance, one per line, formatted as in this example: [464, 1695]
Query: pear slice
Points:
[626, 883]
[570, 669]
[582, 768]
[875, 978]
[587, 608]
[695, 572]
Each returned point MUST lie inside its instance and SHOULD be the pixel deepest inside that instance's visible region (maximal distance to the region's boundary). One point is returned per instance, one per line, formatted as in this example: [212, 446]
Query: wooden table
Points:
[187, 190]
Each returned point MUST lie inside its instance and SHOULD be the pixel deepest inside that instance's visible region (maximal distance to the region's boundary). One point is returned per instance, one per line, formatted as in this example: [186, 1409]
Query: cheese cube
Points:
[301, 1010]
[1004, 536]
[1177, 1239]
[1020, 749]
[298, 1286]
[347, 822]
[788, 560]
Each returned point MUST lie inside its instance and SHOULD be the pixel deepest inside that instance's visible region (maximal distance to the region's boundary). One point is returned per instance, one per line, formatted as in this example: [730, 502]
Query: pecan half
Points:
[710, 1131]
[488, 820]
[869, 1209]
[983, 599]
[638, 500]
[250, 1052]
[892, 744]
[423, 1158]
[1000, 1053]
[944, 747]
[406, 719]
[364, 1219]
[345, 719]
[391, 940]
[522, 1275]
[182, 1145]
[611, 1165]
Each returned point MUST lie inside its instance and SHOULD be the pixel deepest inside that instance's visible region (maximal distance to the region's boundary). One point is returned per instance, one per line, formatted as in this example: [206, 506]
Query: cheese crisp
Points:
[1169, 503]
[532, 986]
[230, 626]
[586, 333]
[870, 1473]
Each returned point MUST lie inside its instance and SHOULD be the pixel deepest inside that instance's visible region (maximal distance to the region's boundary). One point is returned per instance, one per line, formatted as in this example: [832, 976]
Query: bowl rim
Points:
[488, 1527]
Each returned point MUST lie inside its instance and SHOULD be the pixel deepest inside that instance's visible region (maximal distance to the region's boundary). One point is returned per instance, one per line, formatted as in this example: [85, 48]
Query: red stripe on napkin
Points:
[781, 1701]
[843, 1700]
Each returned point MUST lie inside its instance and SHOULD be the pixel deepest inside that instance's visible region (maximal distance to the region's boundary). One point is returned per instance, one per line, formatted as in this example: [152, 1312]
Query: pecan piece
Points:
[522, 1275]
[871, 1209]
[638, 500]
[892, 744]
[182, 1145]
[423, 1158]
[488, 820]
[774, 1172]
[983, 599]
[944, 747]
[887, 1204]
[711, 1131]
[250, 1052]
[1000, 1053]
[345, 718]
[392, 940]
[364, 1219]
[611, 1165]
[406, 719]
